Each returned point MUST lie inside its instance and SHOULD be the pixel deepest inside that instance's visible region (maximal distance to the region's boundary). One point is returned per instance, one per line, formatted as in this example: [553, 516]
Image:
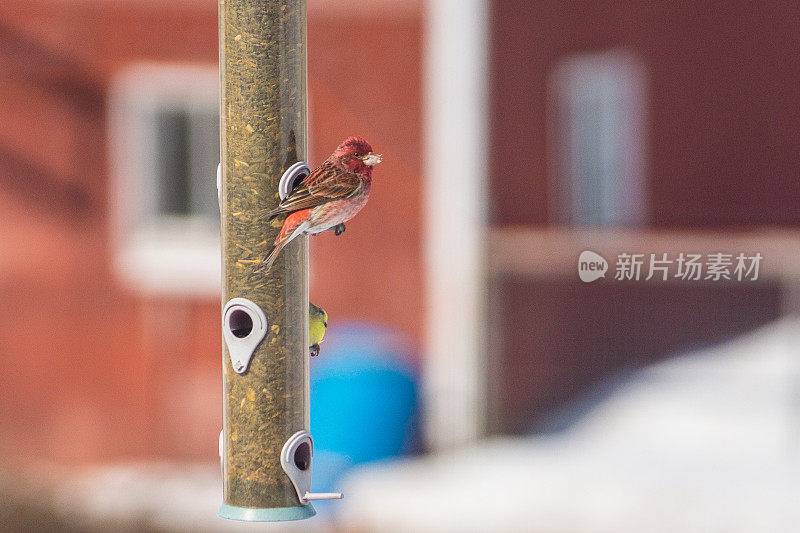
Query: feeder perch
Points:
[296, 462]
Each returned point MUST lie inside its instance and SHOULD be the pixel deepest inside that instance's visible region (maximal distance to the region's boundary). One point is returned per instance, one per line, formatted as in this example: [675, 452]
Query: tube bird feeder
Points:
[265, 446]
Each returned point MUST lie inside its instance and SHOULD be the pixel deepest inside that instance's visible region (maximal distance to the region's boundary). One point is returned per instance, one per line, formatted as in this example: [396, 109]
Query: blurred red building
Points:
[719, 139]
[95, 369]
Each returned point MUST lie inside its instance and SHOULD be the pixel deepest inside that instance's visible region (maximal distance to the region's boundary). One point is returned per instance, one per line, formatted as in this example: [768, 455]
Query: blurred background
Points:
[470, 381]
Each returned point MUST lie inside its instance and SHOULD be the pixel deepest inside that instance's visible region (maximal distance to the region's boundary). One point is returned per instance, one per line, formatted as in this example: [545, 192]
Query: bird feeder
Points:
[266, 449]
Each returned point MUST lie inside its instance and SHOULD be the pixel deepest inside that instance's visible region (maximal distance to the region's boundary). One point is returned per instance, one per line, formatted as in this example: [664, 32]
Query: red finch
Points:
[330, 196]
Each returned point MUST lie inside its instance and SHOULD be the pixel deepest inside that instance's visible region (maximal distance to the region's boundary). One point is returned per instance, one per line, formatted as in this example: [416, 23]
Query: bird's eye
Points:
[357, 155]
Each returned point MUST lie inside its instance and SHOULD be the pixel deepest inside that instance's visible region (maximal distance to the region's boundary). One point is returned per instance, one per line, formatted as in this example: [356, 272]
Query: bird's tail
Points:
[267, 262]
[292, 226]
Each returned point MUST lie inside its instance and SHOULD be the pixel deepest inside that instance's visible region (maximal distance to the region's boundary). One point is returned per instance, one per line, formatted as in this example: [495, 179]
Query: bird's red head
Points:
[356, 155]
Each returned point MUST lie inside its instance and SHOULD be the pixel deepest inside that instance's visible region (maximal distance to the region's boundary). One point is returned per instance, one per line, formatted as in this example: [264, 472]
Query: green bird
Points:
[317, 325]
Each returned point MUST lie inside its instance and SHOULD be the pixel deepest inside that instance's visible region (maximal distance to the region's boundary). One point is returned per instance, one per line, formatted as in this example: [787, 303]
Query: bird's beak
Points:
[372, 159]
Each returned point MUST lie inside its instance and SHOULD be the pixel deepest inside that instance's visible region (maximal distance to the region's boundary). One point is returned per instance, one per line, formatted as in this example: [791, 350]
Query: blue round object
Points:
[363, 398]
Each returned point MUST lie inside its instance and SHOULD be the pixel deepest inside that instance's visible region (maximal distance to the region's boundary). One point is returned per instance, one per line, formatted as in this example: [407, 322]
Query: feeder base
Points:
[274, 514]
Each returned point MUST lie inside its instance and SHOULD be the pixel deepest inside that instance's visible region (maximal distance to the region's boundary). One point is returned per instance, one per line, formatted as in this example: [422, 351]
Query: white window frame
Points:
[152, 253]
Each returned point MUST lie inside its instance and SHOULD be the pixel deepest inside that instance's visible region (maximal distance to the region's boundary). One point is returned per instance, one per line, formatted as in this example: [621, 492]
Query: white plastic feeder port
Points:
[219, 186]
[244, 325]
[296, 459]
[298, 171]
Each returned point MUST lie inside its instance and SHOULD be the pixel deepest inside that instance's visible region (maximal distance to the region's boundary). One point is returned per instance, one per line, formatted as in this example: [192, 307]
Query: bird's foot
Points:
[314, 350]
[338, 229]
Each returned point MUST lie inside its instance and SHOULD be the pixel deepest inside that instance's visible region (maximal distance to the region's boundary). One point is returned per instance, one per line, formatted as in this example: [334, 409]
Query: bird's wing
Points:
[325, 184]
